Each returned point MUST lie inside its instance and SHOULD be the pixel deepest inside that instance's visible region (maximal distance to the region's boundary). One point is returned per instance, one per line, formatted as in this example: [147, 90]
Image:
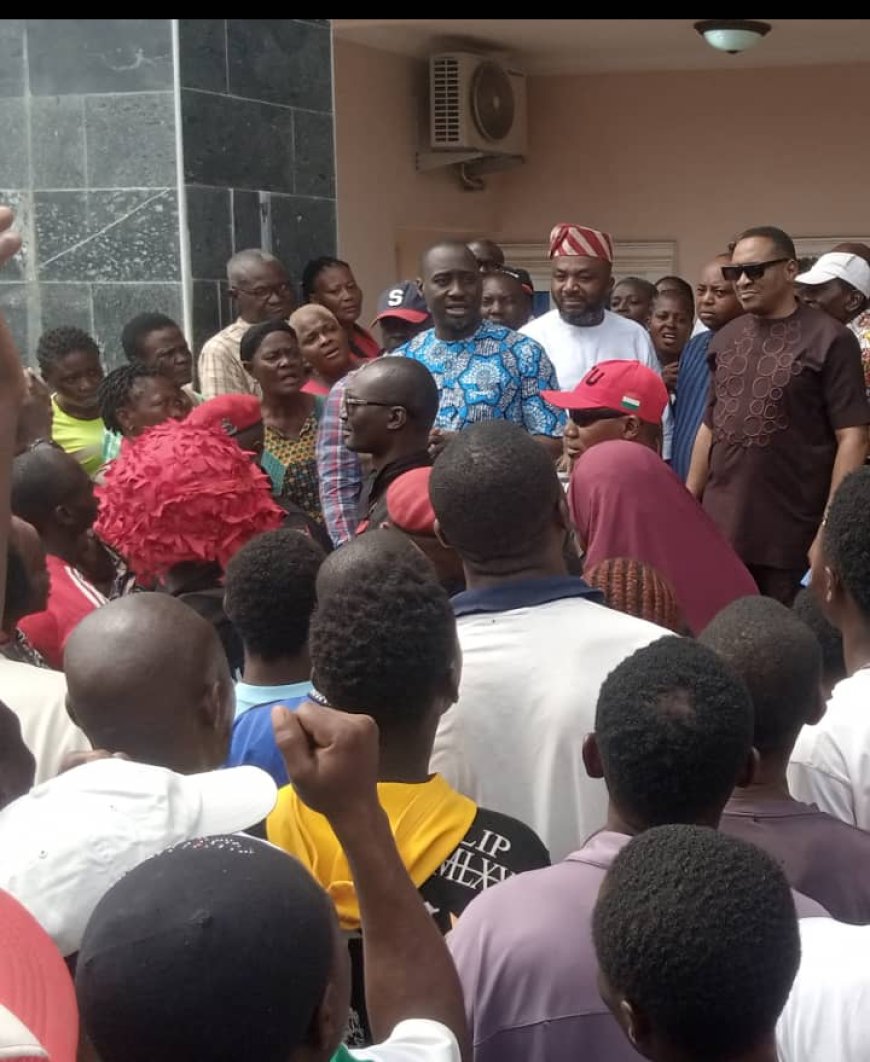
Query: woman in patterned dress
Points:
[270, 352]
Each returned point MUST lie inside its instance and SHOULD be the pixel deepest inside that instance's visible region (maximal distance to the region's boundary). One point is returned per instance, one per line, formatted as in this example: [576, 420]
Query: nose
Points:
[571, 430]
[455, 288]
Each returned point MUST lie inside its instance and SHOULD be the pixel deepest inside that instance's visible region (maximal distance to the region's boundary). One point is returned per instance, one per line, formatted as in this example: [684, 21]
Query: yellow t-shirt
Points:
[83, 439]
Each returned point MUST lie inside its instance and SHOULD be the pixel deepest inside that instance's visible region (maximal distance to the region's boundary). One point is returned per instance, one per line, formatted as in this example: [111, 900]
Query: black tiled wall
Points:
[87, 110]
[259, 159]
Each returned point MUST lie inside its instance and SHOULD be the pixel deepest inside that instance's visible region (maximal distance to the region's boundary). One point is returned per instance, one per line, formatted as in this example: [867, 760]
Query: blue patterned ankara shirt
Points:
[494, 374]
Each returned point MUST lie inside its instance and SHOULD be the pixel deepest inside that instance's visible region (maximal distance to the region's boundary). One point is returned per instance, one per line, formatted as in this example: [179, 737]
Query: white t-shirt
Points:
[38, 698]
[415, 1040]
[826, 1016]
[830, 764]
[574, 350]
[530, 682]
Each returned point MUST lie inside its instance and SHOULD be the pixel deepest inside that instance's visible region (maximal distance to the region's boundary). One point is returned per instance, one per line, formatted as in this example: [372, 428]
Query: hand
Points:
[669, 375]
[438, 439]
[34, 414]
[331, 758]
[10, 242]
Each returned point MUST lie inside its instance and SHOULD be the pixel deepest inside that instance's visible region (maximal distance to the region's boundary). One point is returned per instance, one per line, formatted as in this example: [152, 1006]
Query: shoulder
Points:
[506, 840]
[539, 326]
[416, 346]
[727, 333]
[412, 1040]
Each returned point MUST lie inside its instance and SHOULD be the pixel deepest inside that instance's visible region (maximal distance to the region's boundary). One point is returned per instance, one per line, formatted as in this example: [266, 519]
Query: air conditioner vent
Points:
[445, 101]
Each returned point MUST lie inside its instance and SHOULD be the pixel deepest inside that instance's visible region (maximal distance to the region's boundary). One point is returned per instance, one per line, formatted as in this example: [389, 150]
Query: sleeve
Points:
[339, 471]
[537, 374]
[253, 743]
[818, 774]
[42, 631]
[220, 371]
[843, 383]
[413, 1040]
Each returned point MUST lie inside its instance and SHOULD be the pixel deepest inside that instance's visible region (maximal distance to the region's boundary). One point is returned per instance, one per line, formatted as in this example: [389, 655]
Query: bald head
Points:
[389, 409]
[147, 676]
[244, 262]
[51, 491]
[374, 551]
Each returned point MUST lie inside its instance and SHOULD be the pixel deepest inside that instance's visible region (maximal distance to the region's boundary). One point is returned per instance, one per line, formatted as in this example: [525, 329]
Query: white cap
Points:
[67, 841]
[839, 266]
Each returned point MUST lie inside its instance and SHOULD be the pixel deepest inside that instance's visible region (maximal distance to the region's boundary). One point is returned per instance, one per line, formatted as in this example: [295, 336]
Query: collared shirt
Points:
[821, 856]
[526, 960]
[339, 470]
[220, 365]
[692, 394]
[534, 655]
[494, 374]
[249, 696]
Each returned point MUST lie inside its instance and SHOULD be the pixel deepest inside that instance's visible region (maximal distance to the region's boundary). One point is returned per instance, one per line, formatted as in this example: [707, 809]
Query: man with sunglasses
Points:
[786, 420]
[261, 289]
[614, 400]
[388, 409]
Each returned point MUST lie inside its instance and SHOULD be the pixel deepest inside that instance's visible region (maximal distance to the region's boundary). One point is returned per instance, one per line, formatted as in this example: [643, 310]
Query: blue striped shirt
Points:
[692, 394]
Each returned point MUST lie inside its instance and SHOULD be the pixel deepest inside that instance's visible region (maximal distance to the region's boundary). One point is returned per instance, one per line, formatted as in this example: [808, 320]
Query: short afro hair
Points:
[270, 592]
[251, 340]
[136, 329]
[385, 644]
[313, 268]
[674, 728]
[117, 390]
[675, 284]
[698, 932]
[779, 659]
[806, 607]
[54, 345]
[846, 540]
[783, 244]
[495, 492]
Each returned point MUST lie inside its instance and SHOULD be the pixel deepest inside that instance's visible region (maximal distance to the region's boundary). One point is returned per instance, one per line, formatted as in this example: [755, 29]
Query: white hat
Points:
[67, 841]
[839, 266]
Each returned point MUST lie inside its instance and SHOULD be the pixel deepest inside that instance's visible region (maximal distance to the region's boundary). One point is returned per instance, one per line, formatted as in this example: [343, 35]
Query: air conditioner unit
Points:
[476, 104]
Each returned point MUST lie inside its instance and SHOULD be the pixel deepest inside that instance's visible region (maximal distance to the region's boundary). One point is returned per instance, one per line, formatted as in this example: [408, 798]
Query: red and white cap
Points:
[568, 239]
[625, 386]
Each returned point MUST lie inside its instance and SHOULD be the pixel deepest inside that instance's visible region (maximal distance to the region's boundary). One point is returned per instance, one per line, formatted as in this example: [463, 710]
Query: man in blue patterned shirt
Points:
[484, 371]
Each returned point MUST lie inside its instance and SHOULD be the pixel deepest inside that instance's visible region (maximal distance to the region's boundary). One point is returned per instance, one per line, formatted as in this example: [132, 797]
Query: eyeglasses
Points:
[752, 270]
[265, 291]
[584, 417]
[358, 403]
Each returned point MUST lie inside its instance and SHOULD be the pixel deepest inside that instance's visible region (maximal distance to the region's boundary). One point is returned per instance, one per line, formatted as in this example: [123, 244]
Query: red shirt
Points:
[363, 344]
[70, 598]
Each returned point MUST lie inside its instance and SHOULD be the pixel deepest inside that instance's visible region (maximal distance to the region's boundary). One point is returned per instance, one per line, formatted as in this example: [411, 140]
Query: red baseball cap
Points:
[38, 1013]
[625, 386]
[408, 504]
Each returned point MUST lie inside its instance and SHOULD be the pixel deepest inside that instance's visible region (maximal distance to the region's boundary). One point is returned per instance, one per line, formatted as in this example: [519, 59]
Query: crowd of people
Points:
[473, 686]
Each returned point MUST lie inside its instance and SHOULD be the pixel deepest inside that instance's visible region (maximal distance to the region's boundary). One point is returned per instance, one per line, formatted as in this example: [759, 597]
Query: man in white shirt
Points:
[829, 764]
[826, 1014]
[580, 332]
[536, 643]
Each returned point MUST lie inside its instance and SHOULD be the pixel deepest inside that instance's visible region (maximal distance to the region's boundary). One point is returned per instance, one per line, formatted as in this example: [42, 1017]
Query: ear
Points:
[397, 419]
[327, 1024]
[749, 771]
[439, 534]
[62, 516]
[592, 756]
[791, 268]
[631, 427]
[212, 707]
[855, 301]
[611, 284]
[636, 1027]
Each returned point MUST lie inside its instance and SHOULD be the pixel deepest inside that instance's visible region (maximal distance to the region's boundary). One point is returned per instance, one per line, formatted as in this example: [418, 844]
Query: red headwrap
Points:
[569, 239]
[181, 492]
[239, 411]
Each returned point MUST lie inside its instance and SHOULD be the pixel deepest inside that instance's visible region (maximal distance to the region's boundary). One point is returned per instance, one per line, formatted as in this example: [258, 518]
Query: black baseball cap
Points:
[404, 301]
[217, 948]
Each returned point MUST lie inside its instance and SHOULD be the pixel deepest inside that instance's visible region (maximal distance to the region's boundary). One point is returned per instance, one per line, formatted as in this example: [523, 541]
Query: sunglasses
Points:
[752, 270]
[584, 417]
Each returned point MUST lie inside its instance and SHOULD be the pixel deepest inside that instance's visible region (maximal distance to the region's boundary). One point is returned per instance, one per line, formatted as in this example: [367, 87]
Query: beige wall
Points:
[691, 157]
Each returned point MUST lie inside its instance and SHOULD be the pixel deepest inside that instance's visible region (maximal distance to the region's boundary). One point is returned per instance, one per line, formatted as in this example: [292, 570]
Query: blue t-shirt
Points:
[248, 696]
[494, 374]
[253, 739]
[692, 395]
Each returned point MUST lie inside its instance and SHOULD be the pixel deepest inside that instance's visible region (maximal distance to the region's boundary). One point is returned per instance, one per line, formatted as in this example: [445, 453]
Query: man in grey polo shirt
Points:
[673, 734]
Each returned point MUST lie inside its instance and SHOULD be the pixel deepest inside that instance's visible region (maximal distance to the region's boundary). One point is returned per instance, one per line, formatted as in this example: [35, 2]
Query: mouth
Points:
[669, 338]
[706, 317]
[457, 309]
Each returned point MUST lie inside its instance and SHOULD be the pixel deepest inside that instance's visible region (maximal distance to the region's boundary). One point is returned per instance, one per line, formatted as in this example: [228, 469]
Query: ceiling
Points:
[576, 46]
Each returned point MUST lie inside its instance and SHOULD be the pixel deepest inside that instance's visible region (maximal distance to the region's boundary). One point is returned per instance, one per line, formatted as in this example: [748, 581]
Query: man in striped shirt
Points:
[51, 491]
[717, 305]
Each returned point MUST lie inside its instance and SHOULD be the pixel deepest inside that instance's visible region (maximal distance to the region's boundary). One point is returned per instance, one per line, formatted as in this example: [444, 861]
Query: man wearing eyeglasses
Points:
[261, 289]
[786, 420]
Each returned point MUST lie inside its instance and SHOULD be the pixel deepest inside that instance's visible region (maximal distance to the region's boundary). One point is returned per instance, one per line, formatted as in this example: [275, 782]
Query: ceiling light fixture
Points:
[732, 35]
